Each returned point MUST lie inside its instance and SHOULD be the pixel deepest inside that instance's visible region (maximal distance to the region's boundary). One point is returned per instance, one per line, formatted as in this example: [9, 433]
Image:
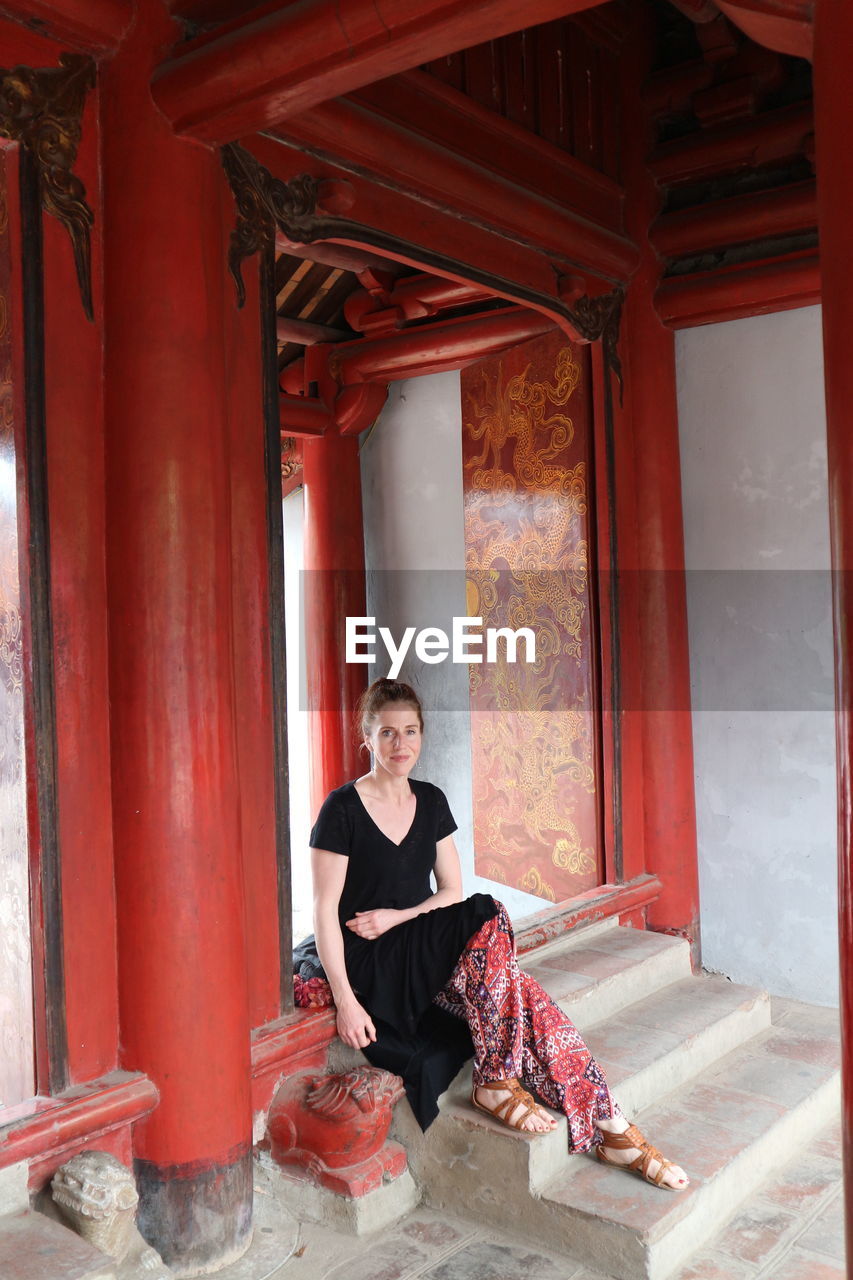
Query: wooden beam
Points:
[730, 294]
[783, 25]
[303, 416]
[601, 903]
[412, 298]
[409, 230]
[671, 90]
[426, 106]
[774, 136]
[281, 61]
[306, 333]
[736, 221]
[78, 1115]
[697, 10]
[478, 191]
[435, 348]
[333, 255]
[86, 24]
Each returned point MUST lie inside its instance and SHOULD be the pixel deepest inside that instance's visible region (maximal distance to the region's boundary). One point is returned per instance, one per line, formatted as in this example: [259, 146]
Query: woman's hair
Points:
[378, 695]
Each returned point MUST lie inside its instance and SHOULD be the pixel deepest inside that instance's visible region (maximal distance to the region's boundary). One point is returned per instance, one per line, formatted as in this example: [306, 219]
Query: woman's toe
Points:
[676, 1177]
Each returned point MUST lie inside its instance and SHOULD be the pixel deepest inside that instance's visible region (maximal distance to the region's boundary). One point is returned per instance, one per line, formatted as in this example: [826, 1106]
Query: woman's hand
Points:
[355, 1026]
[370, 924]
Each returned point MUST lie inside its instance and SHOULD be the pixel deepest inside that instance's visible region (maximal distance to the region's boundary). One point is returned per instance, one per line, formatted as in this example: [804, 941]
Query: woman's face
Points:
[395, 739]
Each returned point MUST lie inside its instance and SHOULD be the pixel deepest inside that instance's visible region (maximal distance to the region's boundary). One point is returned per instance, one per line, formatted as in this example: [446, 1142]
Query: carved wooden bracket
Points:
[601, 317]
[307, 209]
[291, 464]
[263, 204]
[42, 109]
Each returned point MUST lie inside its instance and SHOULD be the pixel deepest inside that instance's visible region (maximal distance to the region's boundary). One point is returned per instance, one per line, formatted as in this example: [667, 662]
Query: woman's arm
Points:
[329, 870]
[448, 879]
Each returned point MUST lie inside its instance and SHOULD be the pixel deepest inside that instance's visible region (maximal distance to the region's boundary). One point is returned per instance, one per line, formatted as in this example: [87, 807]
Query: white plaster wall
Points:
[16, 976]
[297, 720]
[411, 474]
[753, 463]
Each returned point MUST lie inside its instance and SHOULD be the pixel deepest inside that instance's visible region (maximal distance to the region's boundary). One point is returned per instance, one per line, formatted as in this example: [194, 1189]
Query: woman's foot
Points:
[508, 1102]
[643, 1157]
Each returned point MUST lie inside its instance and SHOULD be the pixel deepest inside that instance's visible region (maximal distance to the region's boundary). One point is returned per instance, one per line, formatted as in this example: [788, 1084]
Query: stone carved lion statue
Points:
[97, 1195]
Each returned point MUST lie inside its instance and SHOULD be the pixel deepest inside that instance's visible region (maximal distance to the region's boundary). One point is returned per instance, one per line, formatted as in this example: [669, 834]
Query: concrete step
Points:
[656, 1045]
[593, 975]
[32, 1247]
[659, 1043]
[791, 1229]
[732, 1127]
[698, 1062]
[738, 1123]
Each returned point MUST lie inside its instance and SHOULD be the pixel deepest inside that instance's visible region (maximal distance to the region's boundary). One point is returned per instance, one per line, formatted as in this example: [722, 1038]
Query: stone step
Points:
[733, 1127]
[593, 976]
[32, 1247]
[660, 1043]
[647, 1050]
[791, 1229]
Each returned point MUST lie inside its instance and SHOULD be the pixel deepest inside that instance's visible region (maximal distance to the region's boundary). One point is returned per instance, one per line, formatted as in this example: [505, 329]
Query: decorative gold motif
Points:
[263, 203]
[43, 110]
[569, 855]
[527, 565]
[532, 882]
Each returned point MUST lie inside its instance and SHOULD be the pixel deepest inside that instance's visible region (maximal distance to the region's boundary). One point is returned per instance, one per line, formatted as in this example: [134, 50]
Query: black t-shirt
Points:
[381, 873]
[397, 975]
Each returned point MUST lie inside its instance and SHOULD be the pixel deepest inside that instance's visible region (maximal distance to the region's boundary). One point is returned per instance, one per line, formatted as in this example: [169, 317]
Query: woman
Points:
[392, 949]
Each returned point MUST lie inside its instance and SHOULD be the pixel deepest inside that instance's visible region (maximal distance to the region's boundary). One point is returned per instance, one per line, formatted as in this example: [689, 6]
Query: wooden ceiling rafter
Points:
[91, 25]
[737, 230]
[350, 136]
[277, 62]
[786, 26]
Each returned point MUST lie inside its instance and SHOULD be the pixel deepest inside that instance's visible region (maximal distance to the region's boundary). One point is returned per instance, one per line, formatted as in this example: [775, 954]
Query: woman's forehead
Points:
[396, 714]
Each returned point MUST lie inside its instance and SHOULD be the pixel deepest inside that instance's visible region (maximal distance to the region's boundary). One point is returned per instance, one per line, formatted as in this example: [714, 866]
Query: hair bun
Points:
[382, 691]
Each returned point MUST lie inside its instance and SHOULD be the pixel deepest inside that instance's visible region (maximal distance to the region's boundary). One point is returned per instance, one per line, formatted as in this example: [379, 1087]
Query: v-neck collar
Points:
[376, 824]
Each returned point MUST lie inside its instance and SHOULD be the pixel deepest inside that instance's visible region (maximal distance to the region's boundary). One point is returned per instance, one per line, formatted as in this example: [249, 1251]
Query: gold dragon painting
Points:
[526, 467]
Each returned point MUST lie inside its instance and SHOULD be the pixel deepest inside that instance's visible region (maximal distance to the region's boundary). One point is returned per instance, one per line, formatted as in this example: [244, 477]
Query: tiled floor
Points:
[792, 1230]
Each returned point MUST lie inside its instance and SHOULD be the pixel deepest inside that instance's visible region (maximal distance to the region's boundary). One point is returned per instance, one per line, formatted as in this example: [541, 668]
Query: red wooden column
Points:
[181, 931]
[667, 729]
[333, 590]
[833, 119]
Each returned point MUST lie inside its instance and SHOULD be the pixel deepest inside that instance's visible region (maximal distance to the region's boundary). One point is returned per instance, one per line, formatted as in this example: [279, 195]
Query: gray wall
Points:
[753, 463]
[411, 474]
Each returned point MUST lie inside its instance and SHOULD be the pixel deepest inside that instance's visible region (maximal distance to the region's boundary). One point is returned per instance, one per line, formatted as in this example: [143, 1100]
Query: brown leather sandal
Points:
[506, 1109]
[632, 1137]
